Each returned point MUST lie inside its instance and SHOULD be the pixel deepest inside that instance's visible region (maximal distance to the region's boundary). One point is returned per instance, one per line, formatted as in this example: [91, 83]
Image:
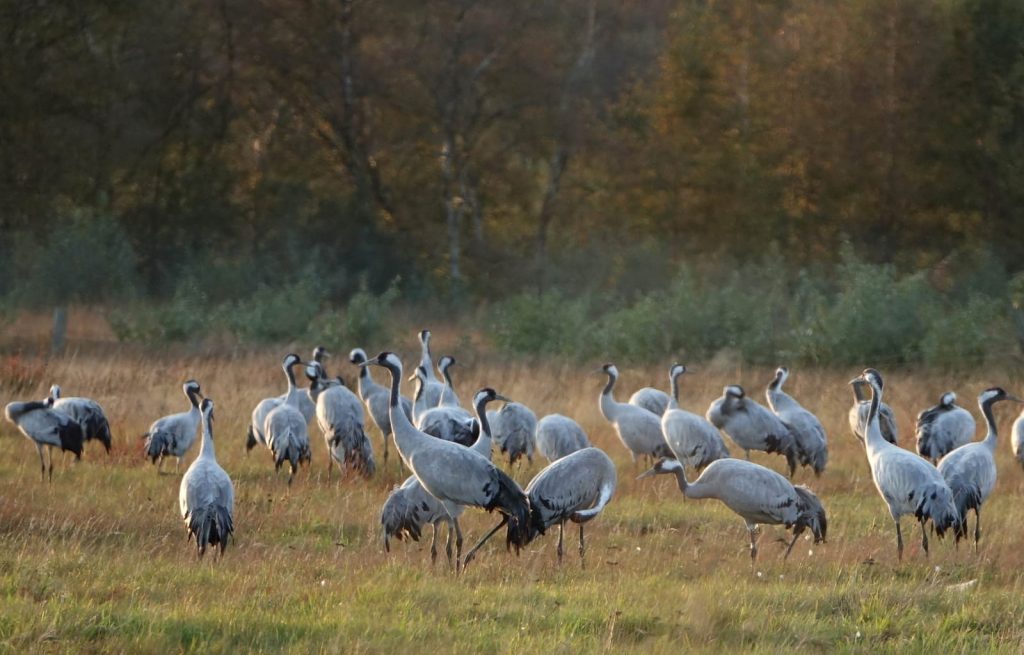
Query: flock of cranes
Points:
[448, 450]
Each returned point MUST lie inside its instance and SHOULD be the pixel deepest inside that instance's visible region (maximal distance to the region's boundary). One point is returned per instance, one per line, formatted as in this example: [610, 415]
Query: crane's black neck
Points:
[674, 385]
[858, 391]
[481, 415]
[610, 385]
[990, 419]
[290, 374]
[447, 376]
[192, 397]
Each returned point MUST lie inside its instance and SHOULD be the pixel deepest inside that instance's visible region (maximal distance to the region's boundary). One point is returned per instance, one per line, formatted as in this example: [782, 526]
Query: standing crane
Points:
[970, 470]
[809, 437]
[46, 428]
[265, 406]
[653, 400]
[638, 429]
[907, 483]
[173, 435]
[513, 427]
[692, 438]
[1017, 439]
[448, 395]
[376, 397]
[206, 496]
[943, 428]
[452, 473]
[751, 426]
[339, 413]
[428, 393]
[758, 494]
[87, 413]
[859, 416]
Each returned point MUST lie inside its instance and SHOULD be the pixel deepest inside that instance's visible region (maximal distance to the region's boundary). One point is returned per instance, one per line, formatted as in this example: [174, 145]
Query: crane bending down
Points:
[907, 483]
[47, 429]
[752, 426]
[970, 470]
[454, 474]
[758, 494]
[575, 488]
[87, 413]
[943, 428]
[207, 497]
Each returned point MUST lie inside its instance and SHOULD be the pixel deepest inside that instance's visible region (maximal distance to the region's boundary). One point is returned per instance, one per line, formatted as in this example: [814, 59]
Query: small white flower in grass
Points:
[323, 583]
[781, 576]
[937, 568]
[638, 549]
[760, 575]
[810, 552]
[857, 635]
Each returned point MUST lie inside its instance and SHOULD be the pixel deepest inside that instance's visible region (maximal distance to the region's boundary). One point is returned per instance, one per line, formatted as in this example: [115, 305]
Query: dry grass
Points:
[97, 561]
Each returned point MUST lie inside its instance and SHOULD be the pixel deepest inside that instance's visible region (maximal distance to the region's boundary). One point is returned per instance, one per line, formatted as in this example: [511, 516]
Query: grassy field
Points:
[97, 561]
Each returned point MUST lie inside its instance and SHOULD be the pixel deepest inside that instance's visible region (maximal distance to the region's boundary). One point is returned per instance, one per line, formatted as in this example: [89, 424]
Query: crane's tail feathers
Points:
[510, 500]
[157, 444]
[211, 526]
[812, 513]
[71, 438]
[400, 519]
[250, 439]
[938, 506]
[965, 498]
[104, 435]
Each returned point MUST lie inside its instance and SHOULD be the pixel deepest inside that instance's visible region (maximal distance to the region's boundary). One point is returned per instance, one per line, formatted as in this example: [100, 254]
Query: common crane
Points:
[339, 413]
[173, 435]
[448, 395]
[87, 413]
[207, 497]
[970, 470]
[46, 428]
[943, 428]
[1017, 439]
[376, 398]
[575, 488]
[809, 437]
[692, 438]
[513, 427]
[758, 494]
[306, 403]
[907, 483]
[859, 416]
[751, 426]
[558, 436]
[428, 393]
[451, 423]
[638, 429]
[265, 406]
[452, 473]
[410, 508]
[653, 400]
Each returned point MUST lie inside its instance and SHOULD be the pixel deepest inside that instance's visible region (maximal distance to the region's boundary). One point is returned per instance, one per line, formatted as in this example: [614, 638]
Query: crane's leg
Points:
[386, 437]
[924, 538]
[561, 530]
[330, 464]
[458, 547]
[448, 542]
[899, 541]
[472, 551]
[42, 462]
[977, 527]
[583, 562]
[754, 534]
[748, 454]
[177, 464]
[433, 546]
[49, 463]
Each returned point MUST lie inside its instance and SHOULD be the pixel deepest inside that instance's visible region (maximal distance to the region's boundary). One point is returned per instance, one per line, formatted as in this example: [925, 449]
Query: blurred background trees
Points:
[591, 155]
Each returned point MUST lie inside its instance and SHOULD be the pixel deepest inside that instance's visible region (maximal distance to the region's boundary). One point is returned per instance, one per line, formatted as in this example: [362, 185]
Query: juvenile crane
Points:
[751, 426]
[692, 438]
[46, 428]
[452, 473]
[943, 428]
[809, 439]
[410, 507]
[87, 413]
[575, 488]
[173, 435]
[558, 436]
[907, 483]
[207, 497]
[859, 416]
[638, 429]
[265, 406]
[339, 413]
[376, 397]
[758, 494]
[970, 470]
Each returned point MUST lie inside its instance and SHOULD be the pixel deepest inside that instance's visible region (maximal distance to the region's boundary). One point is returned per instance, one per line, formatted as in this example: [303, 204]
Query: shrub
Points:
[187, 316]
[365, 321]
[968, 334]
[280, 313]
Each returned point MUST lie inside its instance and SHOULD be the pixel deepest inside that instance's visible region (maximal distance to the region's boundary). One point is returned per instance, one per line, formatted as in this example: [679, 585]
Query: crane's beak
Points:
[498, 396]
[1015, 399]
[859, 378]
[647, 474]
[411, 378]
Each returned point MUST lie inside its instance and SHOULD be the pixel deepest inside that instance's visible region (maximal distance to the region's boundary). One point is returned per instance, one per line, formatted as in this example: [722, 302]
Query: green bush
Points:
[365, 322]
[272, 314]
[187, 316]
[967, 335]
[545, 324]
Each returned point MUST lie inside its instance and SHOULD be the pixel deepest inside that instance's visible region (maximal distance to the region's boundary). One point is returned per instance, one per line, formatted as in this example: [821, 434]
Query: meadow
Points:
[97, 561]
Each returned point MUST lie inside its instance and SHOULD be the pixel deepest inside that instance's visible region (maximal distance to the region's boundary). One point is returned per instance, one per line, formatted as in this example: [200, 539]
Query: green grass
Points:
[97, 561]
